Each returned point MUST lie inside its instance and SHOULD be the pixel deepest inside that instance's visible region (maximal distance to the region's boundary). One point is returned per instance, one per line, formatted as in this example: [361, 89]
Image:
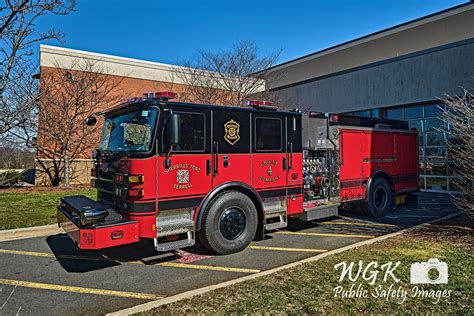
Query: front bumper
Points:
[113, 231]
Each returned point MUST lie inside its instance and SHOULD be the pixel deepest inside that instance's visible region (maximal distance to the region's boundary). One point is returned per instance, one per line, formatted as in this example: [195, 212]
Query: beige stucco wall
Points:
[437, 30]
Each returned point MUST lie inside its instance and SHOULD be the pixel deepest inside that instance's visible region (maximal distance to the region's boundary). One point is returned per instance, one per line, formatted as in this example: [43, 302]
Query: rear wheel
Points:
[229, 223]
[380, 198]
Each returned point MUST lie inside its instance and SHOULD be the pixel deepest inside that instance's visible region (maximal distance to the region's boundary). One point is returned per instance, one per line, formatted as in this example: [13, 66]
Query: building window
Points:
[418, 124]
[435, 139]
[394, 114]
[436, 184]
[434, 125]
[376, 113]
[435, 153]
[432, 110]
[413, 112]
[366, 113]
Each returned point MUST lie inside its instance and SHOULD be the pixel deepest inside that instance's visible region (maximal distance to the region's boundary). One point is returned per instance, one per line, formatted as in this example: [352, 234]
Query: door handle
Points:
[290, 162]
[216, 158]
[208, 167]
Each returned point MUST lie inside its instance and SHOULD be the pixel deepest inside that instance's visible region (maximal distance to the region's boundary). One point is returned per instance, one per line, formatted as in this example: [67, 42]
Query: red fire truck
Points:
[174, 171]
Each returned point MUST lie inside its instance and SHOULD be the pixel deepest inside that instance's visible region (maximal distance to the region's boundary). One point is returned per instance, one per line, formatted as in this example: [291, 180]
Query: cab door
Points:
[187, 179]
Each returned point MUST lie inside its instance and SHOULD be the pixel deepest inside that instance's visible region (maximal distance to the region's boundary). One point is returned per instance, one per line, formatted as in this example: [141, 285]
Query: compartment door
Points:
[269, 155]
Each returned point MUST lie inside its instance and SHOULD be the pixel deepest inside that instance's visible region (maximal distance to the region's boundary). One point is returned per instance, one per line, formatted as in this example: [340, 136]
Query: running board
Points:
[175, 230]
[276, 218]
[320, 211]
[178, 244]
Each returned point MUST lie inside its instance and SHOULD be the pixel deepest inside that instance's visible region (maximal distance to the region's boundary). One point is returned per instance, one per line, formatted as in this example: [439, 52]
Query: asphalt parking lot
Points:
[49, 276]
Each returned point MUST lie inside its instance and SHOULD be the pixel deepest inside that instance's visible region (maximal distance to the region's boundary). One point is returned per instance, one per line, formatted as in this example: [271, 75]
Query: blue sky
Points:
[172, 31]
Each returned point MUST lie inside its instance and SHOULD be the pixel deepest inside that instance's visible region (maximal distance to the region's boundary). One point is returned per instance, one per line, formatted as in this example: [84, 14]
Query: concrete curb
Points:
[192, 293]
[29, 232]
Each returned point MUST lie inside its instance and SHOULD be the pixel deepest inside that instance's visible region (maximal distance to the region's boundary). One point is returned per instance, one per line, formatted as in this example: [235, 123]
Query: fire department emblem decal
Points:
[232, 129]
[182, 176]
[270, 171]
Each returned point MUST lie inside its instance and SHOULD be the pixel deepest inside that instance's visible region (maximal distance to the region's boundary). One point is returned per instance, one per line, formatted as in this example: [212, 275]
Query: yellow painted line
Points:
[287, 249]
[202, 267]
[26, 253]
[357, 224]
[164, 264]
[81, 290]
[50, 255]
[325, 234]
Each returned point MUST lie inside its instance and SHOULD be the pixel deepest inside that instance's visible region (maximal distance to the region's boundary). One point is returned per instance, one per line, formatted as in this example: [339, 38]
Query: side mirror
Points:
[91, 121]
[174, 130]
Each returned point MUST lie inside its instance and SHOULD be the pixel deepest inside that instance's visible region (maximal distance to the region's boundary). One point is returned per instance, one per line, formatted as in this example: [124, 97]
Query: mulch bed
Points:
[457, 230]
[35, 189]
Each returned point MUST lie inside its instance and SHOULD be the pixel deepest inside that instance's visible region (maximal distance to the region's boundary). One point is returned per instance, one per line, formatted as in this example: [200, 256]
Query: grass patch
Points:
[309, 288]
[26, 209]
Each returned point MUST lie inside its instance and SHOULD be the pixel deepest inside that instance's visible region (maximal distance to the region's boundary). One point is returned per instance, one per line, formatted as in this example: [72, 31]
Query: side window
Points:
[192, 132]
[268, 133]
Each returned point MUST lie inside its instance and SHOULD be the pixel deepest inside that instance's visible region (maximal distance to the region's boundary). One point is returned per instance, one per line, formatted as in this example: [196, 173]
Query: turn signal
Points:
[136, 178]
[136, 193]
[129, 178]
[129, 192]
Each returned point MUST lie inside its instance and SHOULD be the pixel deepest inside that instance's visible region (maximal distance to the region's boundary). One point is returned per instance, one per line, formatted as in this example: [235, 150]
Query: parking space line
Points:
[26, 253]
[414, 216]
[203, 267]
[358, 224]
[81, 290]
[163, 264]
[324, 234]
[51, 255]
[287, 249]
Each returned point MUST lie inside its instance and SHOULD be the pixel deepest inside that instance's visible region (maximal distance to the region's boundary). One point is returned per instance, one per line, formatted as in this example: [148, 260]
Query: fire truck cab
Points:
[175, 171]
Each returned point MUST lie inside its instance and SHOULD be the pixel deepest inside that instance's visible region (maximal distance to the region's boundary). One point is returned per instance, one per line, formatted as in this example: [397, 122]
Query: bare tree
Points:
[17, 37]
[459, 116]
[58, 133]
[228, 77]
[16, 157]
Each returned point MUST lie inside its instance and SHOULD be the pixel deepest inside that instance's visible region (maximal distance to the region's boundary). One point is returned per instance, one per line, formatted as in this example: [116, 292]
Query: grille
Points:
[106, 186]
[107, 197]
[108, 175]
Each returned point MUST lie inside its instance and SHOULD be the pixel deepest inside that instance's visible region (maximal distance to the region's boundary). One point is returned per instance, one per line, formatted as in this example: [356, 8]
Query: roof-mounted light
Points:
[164, 95]
[333, 118]
[133, 100]
[257, 102]
[261, 105]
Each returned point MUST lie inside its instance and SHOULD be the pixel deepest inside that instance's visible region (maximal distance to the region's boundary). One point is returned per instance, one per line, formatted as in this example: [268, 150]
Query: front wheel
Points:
[229, 223]
[380, 198]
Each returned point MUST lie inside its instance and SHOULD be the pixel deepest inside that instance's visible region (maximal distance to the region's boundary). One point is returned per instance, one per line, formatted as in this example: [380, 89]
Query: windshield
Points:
[131, 131]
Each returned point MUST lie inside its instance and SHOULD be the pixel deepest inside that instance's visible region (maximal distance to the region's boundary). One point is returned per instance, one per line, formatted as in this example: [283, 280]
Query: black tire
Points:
[229, 223]
[380, 198]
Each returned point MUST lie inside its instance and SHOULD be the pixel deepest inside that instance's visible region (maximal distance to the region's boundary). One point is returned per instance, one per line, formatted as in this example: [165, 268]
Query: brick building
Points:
[133, 78]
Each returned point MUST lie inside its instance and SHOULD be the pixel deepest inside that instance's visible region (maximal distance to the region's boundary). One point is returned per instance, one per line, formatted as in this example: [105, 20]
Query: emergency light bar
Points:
[164, 95]
[257, 102]
[261, 105]
[133, 100]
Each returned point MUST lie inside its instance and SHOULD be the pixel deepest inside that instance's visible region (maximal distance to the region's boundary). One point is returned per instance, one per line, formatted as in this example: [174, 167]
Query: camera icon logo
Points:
[431, 272]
